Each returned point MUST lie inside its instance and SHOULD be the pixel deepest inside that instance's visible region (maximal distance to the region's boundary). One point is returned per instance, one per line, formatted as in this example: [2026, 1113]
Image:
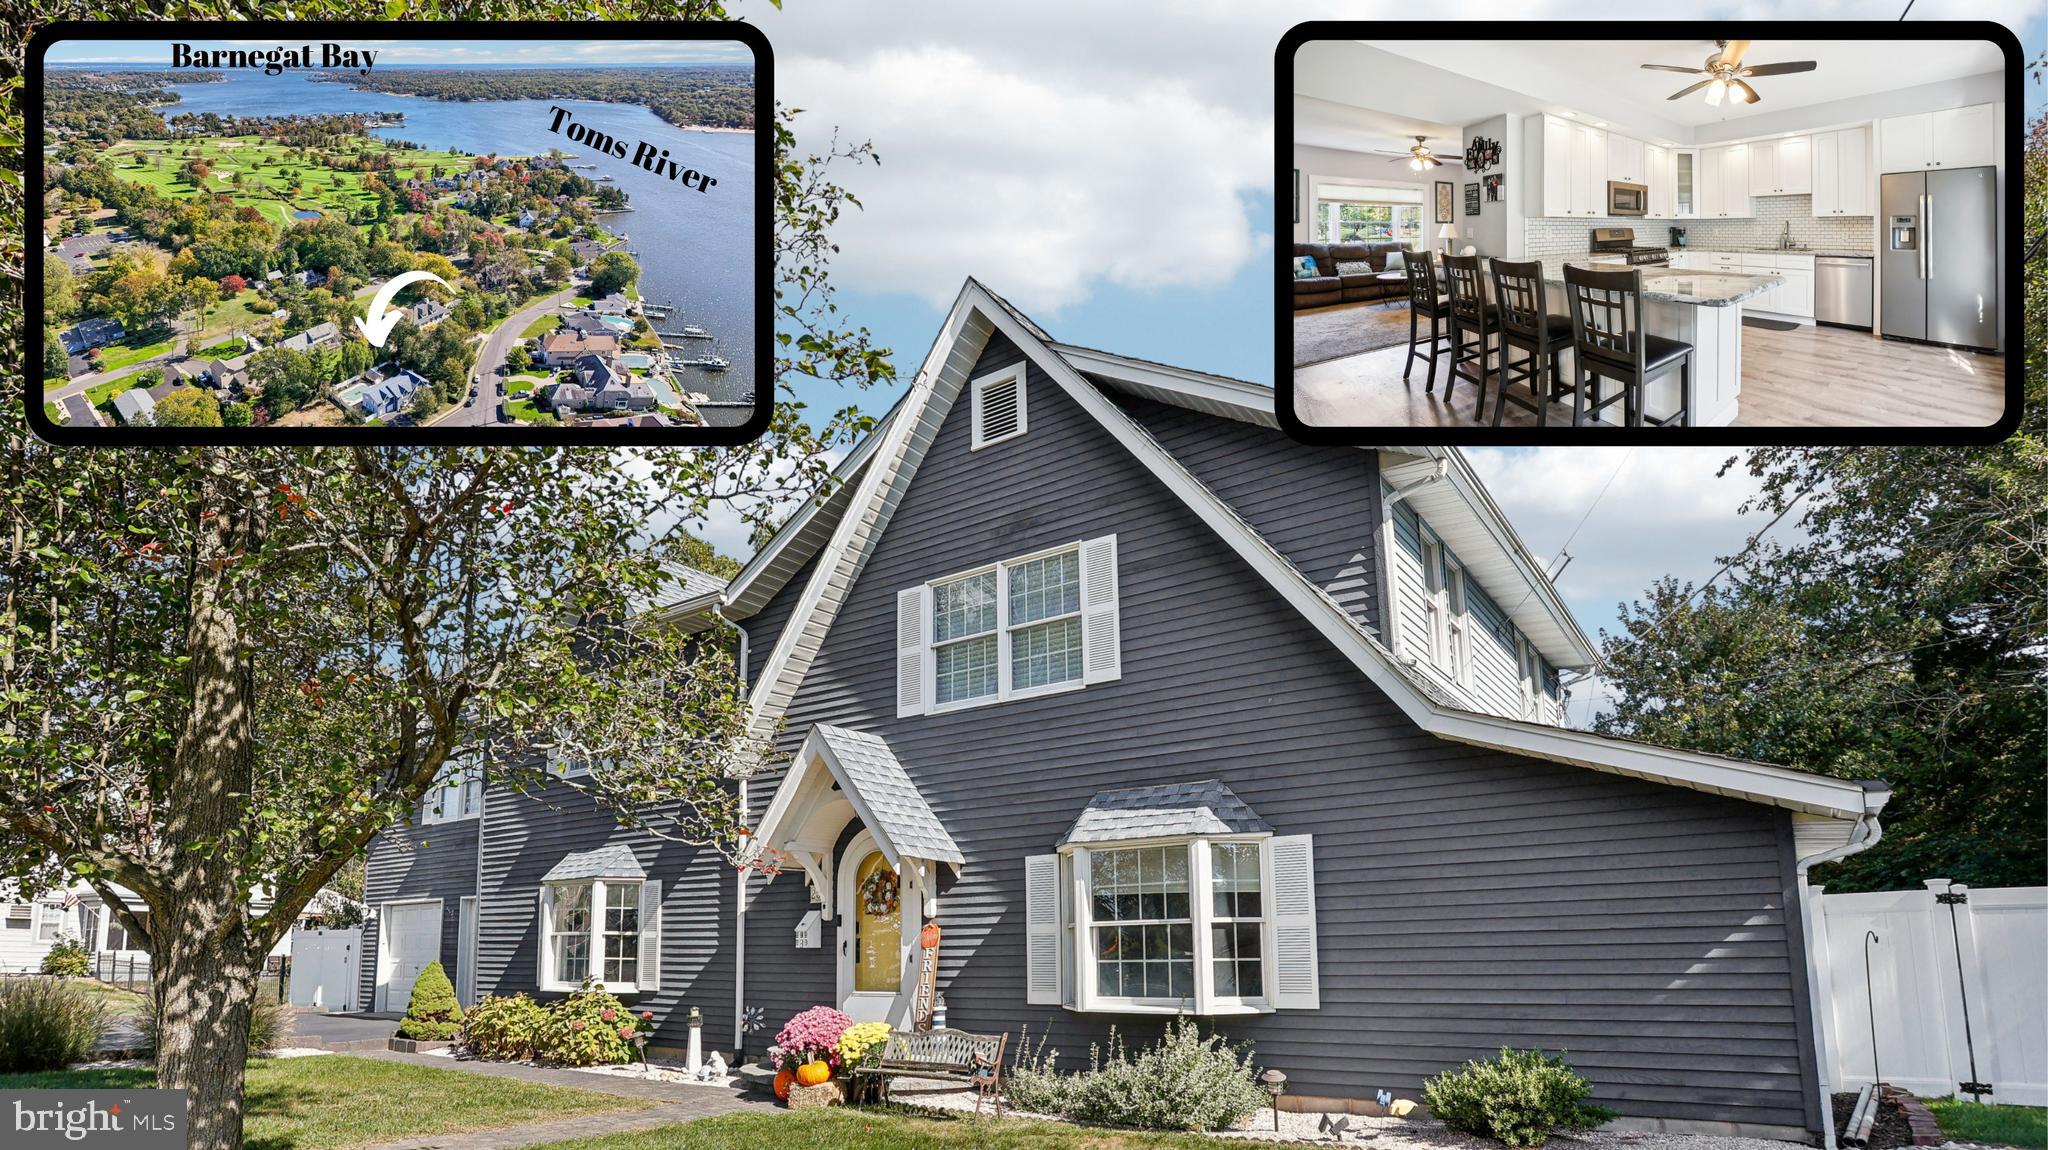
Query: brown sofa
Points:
[1329, 287]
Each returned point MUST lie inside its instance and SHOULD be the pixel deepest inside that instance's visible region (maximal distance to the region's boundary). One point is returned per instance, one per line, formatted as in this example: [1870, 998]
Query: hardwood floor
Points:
[1807, 377]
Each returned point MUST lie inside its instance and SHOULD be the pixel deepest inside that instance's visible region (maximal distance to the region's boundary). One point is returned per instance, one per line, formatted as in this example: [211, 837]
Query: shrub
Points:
[46, 1024]
[588, 1028]
[269, 1023]
[433, 1013]
[811, 1036]
[1518, 1098]
[502, 1028]
[1185, 1082]
[67, 958]
[1032, 1084]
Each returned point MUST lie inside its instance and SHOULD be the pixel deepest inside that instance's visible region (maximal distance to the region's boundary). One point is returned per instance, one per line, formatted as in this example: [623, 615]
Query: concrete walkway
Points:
[675, 1104]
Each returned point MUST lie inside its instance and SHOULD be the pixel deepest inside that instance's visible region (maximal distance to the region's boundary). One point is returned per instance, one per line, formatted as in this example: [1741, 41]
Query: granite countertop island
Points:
[1669, 285]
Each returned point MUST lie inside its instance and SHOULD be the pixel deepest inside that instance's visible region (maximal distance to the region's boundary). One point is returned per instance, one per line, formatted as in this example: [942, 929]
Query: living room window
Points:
[597, 920]
[1363, 213]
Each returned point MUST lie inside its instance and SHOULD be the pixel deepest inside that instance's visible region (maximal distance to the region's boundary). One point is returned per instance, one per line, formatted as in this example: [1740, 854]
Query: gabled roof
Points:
[1174, 810]
[900, 446]
[867, 775]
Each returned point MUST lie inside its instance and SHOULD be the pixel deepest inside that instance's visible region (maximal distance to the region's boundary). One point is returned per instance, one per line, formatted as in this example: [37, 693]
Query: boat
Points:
[692, 331]
[604, 178]
[709, 363]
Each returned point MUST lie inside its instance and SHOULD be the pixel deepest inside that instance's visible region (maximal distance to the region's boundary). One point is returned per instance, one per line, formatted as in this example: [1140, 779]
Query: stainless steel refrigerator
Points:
[1940, 256]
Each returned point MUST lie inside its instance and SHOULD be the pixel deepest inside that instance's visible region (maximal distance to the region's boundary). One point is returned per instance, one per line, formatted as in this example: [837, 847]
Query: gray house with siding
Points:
[1155, 712]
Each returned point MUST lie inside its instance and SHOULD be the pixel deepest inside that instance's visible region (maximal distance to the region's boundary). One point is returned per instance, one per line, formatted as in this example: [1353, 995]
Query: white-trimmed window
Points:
[600, 928]
[459, 795]
[1458, 635]
[1174, 926]
[1037, 624]
[49, 921]
[1532, 680]
[118, 937]
[996, 407]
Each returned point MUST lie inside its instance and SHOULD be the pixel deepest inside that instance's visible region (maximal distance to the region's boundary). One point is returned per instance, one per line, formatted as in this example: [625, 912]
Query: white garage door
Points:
[410, 939]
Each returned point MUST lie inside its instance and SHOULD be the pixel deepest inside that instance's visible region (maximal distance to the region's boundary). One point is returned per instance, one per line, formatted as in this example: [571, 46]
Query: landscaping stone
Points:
[1919, 1120]
[416, 1046]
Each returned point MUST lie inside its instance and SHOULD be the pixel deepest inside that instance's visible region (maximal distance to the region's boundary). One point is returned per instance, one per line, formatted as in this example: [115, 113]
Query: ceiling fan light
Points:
[1416, 163]
[1716, 90]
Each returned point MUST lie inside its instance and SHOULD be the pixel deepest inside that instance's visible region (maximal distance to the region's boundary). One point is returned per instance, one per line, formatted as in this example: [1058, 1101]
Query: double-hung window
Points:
[49, 921]
[458, 794]
[1036, 624]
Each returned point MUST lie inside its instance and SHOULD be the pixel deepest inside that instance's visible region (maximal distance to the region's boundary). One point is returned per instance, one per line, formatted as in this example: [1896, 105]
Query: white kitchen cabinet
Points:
[1594, 202]
[1657, 176]
[1951, 138]
[1781, 167]
[1686, 261]
[1685, 184]
[1841, 173]
[1964, 137]
[1625, 159]
[1724, 182]
[1794, 297]
[1557, 168]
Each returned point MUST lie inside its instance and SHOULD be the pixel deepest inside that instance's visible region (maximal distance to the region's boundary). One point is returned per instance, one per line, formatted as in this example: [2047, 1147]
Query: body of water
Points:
[695, 250]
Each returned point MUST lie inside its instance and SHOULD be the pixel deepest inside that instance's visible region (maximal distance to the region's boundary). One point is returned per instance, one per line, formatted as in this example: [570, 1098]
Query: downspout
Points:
[1442, 472]
[739, 902]
[1865, 835]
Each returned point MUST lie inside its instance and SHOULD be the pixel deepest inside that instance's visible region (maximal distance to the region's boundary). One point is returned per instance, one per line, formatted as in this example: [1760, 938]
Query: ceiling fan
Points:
[1726, 75]
[1418, 154]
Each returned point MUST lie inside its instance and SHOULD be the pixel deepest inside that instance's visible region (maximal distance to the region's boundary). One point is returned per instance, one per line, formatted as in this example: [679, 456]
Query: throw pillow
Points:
[1305, 267]
[1356, 268]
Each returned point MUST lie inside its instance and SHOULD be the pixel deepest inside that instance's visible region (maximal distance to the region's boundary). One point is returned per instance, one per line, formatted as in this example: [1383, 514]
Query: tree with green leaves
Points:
[612, 272]
[228, 669]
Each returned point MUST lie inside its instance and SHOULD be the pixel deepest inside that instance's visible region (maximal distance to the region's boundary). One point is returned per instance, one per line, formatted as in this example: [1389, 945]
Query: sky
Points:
[1106, 168]
[443, 53]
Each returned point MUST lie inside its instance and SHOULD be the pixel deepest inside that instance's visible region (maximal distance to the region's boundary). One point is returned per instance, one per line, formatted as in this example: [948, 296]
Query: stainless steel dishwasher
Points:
[1841, 291]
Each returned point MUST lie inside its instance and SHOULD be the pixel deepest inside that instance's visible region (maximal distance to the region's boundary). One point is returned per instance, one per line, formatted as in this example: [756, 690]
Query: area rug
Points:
[1327, 333]
[1768, 324]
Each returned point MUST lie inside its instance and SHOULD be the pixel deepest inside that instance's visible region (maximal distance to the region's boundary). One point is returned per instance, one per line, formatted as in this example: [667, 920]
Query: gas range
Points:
[1622, 241]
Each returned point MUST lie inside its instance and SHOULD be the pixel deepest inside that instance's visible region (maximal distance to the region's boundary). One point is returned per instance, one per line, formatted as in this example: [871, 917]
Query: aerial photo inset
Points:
[393, 234]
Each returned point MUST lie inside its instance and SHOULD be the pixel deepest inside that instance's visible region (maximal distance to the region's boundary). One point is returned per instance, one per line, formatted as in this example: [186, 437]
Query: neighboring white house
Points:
[30, 926]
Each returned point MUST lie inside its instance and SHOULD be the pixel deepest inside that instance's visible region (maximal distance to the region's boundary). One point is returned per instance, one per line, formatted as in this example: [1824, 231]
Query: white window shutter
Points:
[650, 936]
[1295, 985]
[541, 974]
[1101, 645]
[1042, 930]
[913, 625]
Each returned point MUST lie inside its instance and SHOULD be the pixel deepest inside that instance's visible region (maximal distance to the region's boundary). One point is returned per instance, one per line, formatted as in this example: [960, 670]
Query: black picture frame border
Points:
[1581, 31]
[290, 31]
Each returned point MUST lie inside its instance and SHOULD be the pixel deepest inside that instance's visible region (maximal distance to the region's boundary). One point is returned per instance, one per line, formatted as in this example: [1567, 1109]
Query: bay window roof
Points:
[615, 861]
[1174, 810]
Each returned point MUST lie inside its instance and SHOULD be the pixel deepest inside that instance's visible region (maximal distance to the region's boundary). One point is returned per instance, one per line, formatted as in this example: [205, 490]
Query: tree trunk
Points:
[203, 999]
[203, 959]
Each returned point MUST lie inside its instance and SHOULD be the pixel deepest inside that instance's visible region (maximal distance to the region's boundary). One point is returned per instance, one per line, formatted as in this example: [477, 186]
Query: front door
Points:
[872, 942]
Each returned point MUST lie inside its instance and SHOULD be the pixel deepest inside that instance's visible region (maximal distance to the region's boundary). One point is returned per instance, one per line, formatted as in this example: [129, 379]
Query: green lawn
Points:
[881, 1128]
[275, 178]
[115, 999]
[1986, 1122]
[524, 411]
[116, 356]
[333, 1100]
[225, 349]
[581, 301]
[525, 384]
[101, 394]
[246, 311]
[541, 327]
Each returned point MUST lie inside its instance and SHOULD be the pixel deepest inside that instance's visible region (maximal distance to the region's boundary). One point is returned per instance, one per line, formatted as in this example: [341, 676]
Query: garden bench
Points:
[955, 1055]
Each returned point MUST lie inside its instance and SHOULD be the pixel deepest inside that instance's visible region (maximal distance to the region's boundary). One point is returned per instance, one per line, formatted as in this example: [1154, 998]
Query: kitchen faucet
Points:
[1785, 236]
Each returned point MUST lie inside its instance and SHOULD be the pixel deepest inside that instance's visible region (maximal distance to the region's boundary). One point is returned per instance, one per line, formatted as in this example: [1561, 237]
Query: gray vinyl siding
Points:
[764, 627]
[418, 862]
[1466, 899]
[1318, 506]
[531, 832]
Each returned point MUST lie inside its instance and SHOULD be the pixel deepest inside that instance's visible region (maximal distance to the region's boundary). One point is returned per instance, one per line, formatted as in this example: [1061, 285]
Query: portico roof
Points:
[863, 769]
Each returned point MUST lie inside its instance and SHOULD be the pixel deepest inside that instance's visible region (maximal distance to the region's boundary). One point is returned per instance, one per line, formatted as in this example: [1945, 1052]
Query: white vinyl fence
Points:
[1958, 981]
[325, 964]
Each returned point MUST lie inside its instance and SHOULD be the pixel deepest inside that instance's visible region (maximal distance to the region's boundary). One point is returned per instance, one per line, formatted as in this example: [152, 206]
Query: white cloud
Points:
[1042, 186]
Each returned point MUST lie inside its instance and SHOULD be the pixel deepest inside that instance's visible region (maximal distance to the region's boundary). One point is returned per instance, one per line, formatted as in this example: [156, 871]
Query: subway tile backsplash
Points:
[1565, 237]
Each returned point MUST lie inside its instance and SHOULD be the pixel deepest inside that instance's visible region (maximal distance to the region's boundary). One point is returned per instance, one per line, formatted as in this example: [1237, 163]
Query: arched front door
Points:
[874, 943]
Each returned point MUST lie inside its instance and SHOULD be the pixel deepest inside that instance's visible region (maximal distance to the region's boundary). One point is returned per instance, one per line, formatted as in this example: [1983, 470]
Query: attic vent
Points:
[998, 406]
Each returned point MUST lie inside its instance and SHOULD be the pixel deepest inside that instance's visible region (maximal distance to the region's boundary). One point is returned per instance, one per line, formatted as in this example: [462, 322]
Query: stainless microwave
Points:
[1627, 199]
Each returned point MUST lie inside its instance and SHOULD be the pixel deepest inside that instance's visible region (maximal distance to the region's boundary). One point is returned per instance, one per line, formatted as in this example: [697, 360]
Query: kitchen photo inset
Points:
[1686, 236]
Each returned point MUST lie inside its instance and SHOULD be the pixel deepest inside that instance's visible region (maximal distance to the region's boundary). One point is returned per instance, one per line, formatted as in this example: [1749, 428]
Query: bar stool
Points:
[1526, 323]
[1425, 300]
[1471, 316]
[1609, 342]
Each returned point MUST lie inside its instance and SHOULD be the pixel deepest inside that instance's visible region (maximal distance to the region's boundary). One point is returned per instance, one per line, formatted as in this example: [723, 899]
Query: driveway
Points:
[491, 360]
[341, 1031]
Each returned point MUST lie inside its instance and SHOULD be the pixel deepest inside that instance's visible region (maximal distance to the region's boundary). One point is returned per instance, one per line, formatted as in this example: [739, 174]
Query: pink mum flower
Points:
[647, 1016]
[578, 1024]
[610, 1015]
[625, 1032]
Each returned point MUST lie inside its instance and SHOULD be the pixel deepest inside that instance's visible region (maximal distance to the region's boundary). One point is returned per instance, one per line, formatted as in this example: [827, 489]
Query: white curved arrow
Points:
[382, 319]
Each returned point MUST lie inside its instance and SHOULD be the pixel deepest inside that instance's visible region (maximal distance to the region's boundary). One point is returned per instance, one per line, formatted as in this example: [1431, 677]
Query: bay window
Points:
[602, 929]
[1175, 926]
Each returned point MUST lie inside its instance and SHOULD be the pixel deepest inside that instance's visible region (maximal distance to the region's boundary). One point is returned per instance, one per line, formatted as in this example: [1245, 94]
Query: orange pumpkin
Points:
[783, 1080]
[813, 1073]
